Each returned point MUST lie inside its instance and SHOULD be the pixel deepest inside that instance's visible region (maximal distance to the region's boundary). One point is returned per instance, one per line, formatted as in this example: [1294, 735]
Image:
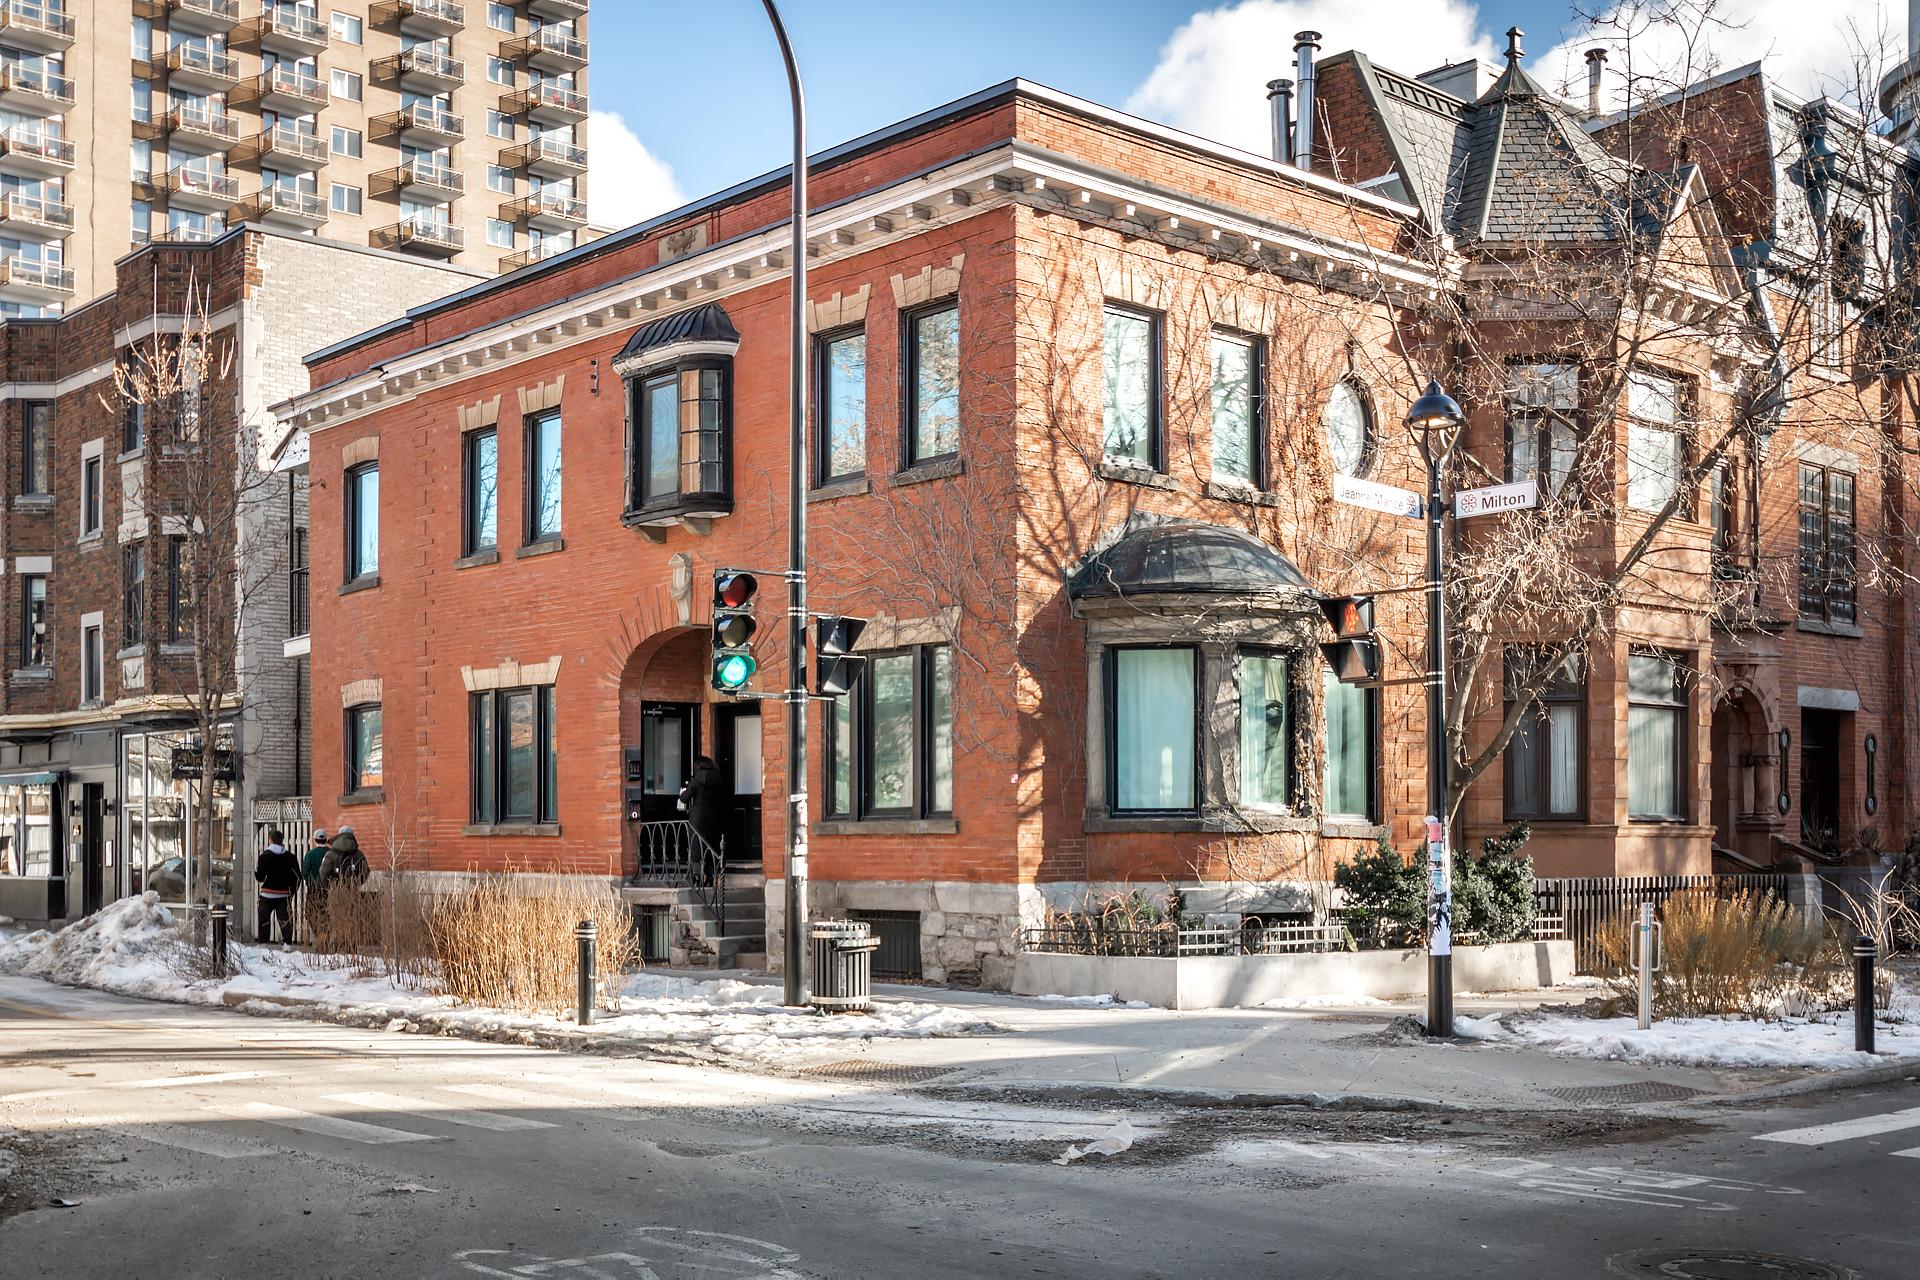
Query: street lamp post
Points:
[1435, 414]
[796, 693]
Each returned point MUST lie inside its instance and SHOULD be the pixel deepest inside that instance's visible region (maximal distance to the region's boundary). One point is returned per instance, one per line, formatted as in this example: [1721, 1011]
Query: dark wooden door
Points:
[736, 750]
[93, 846]
[669, 739]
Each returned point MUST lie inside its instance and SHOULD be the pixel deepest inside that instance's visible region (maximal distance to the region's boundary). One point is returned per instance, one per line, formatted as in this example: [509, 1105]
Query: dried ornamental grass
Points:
[504, 941]
[375, 930]
[1745, 953]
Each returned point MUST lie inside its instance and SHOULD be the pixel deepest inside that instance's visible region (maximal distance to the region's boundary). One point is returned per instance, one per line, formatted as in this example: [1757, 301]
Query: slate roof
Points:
[1185, 557]
[708, 322]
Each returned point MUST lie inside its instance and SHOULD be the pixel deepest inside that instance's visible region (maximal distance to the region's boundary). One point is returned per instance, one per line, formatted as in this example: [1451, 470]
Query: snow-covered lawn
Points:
[134, 948]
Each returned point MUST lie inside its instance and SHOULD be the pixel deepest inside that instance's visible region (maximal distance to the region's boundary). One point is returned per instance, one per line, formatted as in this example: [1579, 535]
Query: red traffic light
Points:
[733, 590]
[1350, 616]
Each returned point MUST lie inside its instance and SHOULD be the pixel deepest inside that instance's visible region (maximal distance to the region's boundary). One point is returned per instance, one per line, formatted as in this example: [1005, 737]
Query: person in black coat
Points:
[707, 798]
[277, 875]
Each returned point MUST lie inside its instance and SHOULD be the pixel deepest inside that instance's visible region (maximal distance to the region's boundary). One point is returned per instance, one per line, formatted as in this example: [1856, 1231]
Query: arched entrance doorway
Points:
[1745, 773]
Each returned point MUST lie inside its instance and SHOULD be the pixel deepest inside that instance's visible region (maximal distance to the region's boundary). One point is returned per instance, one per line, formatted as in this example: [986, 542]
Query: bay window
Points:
[682, 439]
[1543, 758]
[1154, 697]
[1266, 729]
[1543, 406]
[1657, 708]
[1654, 454]
[890, 740]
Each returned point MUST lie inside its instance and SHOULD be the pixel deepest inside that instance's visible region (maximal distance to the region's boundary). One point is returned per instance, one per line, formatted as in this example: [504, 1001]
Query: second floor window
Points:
[363, 521]
[1152, 693]
[933, 383]
[1543, 756]
[1130, 396]
[93, 665]
[1543, 407]
[1353, 749]
[1238, 429]
[90, 495]
[133, 580]
[682, 446]
[1827, 587]
[1656, 738]
[480, 521]
[1654, 455]
[34, 640]
[543, 477]
[840, 398]
[180, 590]
[297, 584]
[366, 749]
[36, 448]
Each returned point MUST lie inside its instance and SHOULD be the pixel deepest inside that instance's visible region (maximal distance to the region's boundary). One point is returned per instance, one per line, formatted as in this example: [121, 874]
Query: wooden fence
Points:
[1585, 904]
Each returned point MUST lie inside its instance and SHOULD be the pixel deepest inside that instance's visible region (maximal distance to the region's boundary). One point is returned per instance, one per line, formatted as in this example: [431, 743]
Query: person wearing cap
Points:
[312, 890]
[343, 861]
[310, 863]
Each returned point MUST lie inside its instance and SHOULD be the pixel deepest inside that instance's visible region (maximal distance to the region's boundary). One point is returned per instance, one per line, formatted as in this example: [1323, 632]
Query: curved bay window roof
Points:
[679, 377]
[1185, 557]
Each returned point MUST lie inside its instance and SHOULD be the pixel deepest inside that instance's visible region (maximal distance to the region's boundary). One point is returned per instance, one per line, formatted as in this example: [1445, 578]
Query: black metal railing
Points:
[673, 855]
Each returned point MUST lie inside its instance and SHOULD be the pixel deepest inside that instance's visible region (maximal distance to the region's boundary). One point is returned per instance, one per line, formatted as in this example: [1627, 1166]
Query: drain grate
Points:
[866, 1071]
[1639, 1091]
[1722, 1264]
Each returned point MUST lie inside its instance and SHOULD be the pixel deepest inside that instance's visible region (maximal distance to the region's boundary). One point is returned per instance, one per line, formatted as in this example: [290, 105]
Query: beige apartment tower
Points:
[455, 132]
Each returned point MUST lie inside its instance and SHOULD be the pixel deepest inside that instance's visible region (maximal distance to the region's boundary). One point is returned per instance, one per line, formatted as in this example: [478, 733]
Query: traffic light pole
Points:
[795, 867]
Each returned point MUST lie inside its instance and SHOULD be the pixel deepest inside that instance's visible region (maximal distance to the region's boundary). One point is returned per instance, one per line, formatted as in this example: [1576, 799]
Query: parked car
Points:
[168, 878]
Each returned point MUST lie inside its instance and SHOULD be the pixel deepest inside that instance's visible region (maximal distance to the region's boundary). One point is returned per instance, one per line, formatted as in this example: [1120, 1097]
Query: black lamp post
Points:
[1437, 417]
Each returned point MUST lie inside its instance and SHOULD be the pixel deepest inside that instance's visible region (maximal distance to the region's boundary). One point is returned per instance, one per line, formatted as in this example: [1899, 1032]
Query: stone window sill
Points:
[88, 541]
[132, 651]
[1130, 473]
[511, 829]
[490, 556]
[849, 487]
[1821, 627]
[1247, 822]
[132, 455]
[886, 827]
[1228, 491]
[33, 503]
[937, 469]
[366, 582]
[1352, 829]
[32, 675]
[546, 546]
[372, 795]
[177, 649]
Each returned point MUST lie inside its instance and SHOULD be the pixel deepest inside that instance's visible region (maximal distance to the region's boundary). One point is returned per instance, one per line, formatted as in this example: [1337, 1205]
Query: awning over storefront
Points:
[1185, 557]
[43, 778]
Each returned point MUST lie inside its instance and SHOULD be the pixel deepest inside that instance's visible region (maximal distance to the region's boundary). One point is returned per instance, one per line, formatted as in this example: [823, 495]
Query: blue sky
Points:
[701, 85]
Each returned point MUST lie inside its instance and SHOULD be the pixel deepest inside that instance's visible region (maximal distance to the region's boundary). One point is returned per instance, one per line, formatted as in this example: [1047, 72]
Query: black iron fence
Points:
[1584, 905]
[672, 855]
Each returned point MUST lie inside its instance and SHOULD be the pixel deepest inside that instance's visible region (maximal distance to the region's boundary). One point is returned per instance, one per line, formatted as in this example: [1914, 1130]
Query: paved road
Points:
[205, 1143]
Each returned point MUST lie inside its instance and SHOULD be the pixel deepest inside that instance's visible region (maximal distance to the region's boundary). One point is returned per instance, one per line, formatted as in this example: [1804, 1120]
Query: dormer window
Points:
[679, 380]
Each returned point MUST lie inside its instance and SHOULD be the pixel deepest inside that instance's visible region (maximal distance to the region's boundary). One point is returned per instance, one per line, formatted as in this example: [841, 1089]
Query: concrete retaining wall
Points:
[1238, 982]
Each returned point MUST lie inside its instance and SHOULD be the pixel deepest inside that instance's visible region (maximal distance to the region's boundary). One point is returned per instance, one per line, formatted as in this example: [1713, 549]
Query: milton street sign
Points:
[1491, 501]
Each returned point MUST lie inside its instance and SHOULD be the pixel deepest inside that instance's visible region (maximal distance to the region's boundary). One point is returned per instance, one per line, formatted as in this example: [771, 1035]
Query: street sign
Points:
[1495, 499]
[1376, 497]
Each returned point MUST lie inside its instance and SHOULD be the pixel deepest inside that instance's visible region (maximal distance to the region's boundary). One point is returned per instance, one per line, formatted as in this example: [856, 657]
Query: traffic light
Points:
[733, 628]
[833, 641]
[1354, 655]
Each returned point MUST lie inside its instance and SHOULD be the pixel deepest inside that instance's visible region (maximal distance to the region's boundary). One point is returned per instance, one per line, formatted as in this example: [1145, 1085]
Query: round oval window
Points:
[1349, 428]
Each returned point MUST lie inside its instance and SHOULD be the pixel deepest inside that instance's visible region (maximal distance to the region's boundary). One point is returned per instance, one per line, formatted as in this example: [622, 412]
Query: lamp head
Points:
[1435, 409]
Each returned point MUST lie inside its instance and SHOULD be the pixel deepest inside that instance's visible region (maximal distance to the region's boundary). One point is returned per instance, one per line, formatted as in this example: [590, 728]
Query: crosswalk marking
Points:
[505, 1093]
[325, 1126]
[1912, 1153]
[1842, 1130]
[181, 1082]
[194, 1140]
[451, 1114]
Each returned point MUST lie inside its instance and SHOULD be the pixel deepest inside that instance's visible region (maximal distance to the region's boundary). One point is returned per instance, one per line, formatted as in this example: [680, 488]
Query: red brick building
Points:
[1082, 387]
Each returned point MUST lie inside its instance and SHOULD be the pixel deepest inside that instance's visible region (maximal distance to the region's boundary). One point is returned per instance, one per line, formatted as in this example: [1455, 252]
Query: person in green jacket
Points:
[310, 864]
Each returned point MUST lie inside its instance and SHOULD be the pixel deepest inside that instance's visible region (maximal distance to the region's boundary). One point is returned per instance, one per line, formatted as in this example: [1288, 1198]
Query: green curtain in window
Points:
[1153, 711]
[1347, 763]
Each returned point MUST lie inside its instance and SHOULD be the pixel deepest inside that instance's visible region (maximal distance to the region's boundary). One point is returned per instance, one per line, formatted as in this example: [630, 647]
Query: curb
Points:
[1222, 1099]
[1859, 1077]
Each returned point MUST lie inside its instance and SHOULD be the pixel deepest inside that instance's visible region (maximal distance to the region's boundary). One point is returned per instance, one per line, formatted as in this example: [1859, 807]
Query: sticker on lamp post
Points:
[1439, 891]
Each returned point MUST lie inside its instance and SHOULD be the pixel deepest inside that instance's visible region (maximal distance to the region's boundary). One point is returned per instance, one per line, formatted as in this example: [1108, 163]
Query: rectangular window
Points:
[890, 741]
[1543, 757]
[1352, 749]
[543, 476]
[1543, 412]
[1654, 459]
[1152, 712]
[482, 504]
[141, 222]
[499, 125]
[34, 640]
[1266, 729]
[500, 17]
[91, 470]
[345, 199]
[366, 755]
[1238, 426]
[1130, 403]
[1720, 518]
[499, 234]
[933, 383]
[93, 664]
[36, 448]
[1656, 738]
[346, 85]
[840, 398]
[682, 430]
[363, 521]
[500, 178]
[297, 616]
[1827, 585]
[499, 71]
[180, 590]
[514, 765]
[133, 594]
[347, 28]
[347, 142]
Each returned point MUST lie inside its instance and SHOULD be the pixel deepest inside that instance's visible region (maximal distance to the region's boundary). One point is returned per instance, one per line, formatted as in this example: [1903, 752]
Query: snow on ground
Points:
[134, 948]
[1326, 1002]
[1711, 1042]
[1094, 1002]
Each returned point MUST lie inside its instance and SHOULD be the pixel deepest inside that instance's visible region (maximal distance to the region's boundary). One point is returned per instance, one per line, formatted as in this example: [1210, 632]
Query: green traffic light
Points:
[733, 671]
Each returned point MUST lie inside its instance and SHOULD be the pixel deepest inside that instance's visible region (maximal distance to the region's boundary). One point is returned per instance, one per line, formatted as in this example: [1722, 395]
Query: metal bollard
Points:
[219, 915]
[1863, 956]
[584, 933]
[1645, 960]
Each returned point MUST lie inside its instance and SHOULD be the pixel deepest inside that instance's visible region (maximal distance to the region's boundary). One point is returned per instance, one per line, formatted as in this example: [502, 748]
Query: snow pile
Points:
[1326, 1002]
[1710, 1042]
[1094, 1002]
[132, 947]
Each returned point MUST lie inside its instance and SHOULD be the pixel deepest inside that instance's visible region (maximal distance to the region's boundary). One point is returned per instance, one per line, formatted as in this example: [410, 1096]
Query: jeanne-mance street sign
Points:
[1493, 500]
[1376, 497]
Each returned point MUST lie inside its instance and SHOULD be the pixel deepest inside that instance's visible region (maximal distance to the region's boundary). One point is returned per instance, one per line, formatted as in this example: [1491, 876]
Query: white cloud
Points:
[626, 183]
[1212, 74]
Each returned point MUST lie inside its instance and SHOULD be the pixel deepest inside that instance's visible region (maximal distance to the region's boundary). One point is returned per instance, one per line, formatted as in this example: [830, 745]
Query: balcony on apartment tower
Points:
[546, 103]
[200, 130]
[419, 125]
[29, 24]
[422, 70]
[286, 30]
[195, 69]
[35, 283]
[33, 92]
[286, 207]
[547, 210]
[553, 49]
[429, 236]
[548, 157]
[557, 10]
[284, 89]
[418, 178]
[26, 217]
[204, 17]
[430, 18]
[29, 151]
[201, 189]
[532, 256]
[283, 147]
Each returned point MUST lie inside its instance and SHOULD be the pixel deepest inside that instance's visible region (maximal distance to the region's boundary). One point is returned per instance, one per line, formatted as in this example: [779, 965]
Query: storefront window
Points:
[26, 830]
[161, 810]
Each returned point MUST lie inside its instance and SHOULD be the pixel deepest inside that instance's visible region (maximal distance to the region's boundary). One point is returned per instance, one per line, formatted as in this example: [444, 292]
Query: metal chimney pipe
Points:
[1305, 45]
[1280, 102]
[1596, 63]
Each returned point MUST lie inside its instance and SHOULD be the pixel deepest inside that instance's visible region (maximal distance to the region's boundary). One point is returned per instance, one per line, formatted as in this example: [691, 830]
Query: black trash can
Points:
[842, 965]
